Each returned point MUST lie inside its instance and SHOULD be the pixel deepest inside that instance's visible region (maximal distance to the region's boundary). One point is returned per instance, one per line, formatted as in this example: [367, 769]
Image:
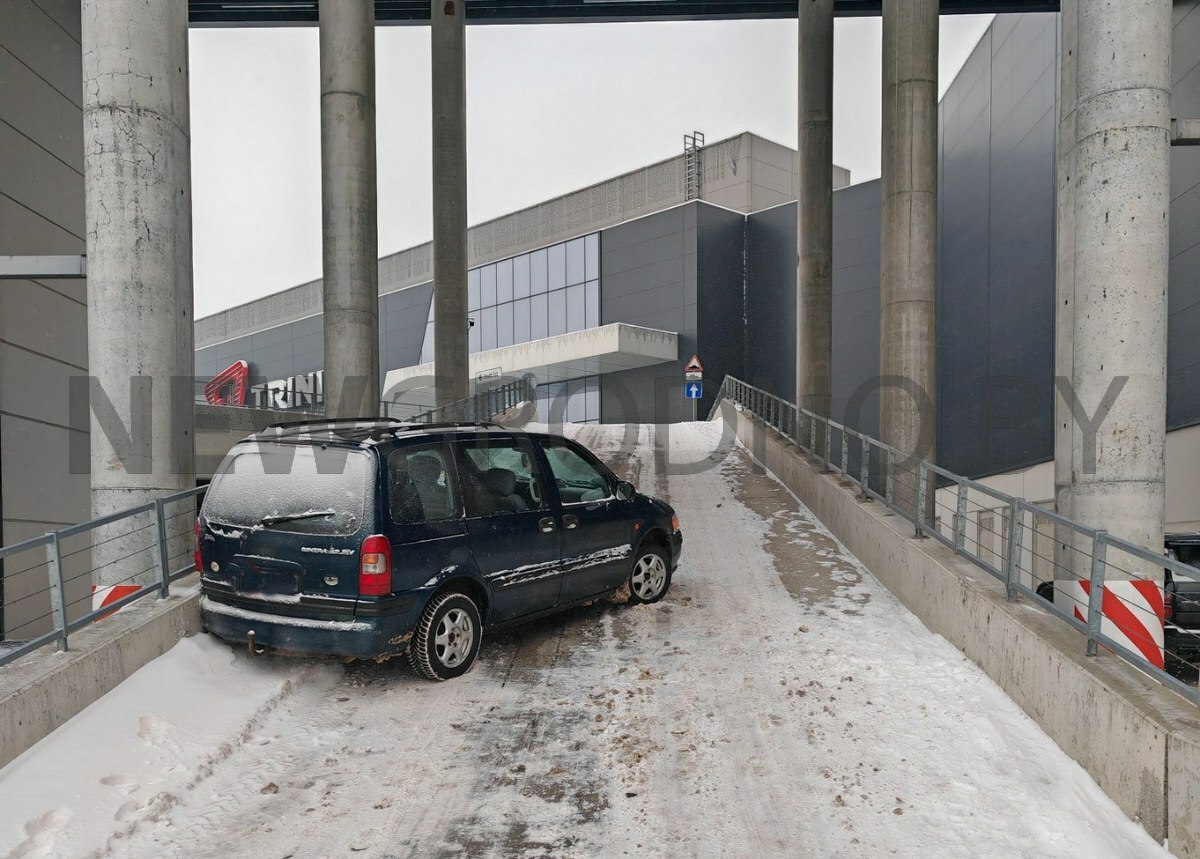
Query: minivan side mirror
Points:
[625, 490]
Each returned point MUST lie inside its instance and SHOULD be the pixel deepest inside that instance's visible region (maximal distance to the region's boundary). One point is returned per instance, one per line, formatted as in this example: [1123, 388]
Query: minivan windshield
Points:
[298, 488]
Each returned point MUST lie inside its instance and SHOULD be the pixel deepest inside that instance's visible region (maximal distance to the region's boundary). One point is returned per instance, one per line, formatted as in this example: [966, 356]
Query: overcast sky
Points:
[550, 109]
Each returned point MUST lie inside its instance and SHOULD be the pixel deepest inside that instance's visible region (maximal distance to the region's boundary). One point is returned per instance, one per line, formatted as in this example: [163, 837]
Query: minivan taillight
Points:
[375, 567]
[196, 554]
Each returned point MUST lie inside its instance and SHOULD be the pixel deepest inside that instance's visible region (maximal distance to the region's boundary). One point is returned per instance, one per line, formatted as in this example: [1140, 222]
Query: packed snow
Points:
[778, 702]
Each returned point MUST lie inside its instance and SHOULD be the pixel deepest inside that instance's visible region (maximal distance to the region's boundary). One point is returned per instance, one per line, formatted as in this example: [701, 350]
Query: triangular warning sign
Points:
[694, 366]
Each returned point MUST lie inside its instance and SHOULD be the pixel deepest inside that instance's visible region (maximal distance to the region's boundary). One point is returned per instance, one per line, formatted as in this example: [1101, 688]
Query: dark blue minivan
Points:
[368, 540]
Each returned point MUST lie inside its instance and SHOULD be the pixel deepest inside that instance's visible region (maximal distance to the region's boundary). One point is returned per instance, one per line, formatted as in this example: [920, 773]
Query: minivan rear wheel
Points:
[447, 637]
[650, 577]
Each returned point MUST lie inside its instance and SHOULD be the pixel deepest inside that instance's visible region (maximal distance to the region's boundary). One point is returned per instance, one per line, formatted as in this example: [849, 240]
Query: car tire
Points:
[650, 577]
[446, 640]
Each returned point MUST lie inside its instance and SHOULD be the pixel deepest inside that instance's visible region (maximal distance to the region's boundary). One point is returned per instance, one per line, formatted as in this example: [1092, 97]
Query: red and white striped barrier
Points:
[1131, 613]
[103, 595]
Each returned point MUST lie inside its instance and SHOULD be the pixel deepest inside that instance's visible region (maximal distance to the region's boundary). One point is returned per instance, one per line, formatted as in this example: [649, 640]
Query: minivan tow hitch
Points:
[252, 648]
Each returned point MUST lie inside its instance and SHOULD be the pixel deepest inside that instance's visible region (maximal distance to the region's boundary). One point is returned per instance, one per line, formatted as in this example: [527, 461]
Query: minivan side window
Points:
[419, 485]
[499, 477]
[579, 481]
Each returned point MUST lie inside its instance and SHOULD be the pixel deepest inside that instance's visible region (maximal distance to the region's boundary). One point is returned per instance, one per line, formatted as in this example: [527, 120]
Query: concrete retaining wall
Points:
[46, 688]
[1139, 741]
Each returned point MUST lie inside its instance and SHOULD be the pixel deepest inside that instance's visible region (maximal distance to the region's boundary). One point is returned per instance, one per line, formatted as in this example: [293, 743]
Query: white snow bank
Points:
[131, 754]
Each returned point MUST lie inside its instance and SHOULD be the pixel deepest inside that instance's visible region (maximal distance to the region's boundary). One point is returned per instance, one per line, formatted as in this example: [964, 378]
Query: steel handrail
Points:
[165, 570]
[877, 479]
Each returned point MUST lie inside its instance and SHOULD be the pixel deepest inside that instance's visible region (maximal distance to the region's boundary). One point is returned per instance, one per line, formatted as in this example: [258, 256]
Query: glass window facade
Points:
[574, 401]
[554, 290]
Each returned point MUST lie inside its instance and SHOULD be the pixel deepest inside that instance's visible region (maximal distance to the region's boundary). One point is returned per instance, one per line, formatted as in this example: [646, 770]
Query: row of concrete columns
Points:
[908, 285]
[139, 238]
[1112, 253]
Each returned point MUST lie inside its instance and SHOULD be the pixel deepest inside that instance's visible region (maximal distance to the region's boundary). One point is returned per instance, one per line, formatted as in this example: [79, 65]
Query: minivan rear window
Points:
[297, 488]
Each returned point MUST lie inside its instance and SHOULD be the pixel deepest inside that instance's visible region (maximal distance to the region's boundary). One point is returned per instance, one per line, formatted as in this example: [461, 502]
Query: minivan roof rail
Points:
[331, 421]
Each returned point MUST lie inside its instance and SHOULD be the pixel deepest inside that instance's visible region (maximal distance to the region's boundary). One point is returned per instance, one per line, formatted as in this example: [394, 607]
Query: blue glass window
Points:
[521, 312]
[538, 269]
[558, 312]
[538, 318]
[576, 311]
[487, 276]
[473, 290]
[576, 265]
[504, 325]
[557, 262]
[592, 254]
[521, 276]
[487, 336]
[504, 281]
[592, 309]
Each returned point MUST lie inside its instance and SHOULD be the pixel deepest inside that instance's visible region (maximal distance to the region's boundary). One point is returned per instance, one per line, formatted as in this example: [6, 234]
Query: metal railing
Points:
[481, 406]
[1069, 568]
[48, 580]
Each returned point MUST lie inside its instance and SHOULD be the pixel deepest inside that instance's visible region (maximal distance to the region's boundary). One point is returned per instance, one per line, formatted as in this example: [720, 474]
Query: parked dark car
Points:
[1182, 595]
[368, 540]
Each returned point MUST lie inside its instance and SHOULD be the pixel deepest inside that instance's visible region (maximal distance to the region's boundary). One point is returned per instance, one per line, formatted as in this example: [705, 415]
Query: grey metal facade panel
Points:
[665, 248]
[996, 254]
[856, 253]
[1183, 356]
[770, 348]
[720, 297]
[35, 459]
[771, 303]
[402, 321]
[44, 322]
[51, 128]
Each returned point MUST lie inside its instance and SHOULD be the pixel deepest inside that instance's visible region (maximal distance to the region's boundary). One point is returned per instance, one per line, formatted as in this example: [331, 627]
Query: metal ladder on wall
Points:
[692, 144]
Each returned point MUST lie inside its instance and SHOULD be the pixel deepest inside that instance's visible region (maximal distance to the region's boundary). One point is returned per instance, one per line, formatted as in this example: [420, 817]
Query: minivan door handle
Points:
[570, 521]
[546, 524]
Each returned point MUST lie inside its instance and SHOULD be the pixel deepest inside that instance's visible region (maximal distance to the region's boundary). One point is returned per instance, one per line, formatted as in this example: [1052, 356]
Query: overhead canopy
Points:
[282, 13]
[593, 352]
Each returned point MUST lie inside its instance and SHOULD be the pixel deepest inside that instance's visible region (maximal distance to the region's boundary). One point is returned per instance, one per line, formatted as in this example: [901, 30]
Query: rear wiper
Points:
[292, 517]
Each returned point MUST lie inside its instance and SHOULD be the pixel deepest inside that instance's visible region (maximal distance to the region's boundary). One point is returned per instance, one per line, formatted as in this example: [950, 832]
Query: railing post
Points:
[960, 519]
[828, 444]
[58, 603]
[1013, 550]
[812, 434]
[864, 468]
[922, 491]
[845, 453]
[160, 543]
[889, 493]
[1096, 592]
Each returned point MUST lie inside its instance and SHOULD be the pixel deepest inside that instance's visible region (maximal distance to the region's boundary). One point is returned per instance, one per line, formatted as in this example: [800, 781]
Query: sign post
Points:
[693, 382]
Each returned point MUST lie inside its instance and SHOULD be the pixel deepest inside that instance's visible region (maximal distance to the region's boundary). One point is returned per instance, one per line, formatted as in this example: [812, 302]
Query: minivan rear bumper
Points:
[381, 633]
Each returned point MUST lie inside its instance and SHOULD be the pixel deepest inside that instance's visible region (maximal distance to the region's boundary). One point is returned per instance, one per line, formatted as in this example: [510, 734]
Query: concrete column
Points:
[449, 80]
[908, 287]
[1115, 282]
[137, 183]
[349, 216]
[814, 213]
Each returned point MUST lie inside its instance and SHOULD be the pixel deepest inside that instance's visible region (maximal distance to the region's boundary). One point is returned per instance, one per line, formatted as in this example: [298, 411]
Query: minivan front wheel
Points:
[447, 637]
[651, 576]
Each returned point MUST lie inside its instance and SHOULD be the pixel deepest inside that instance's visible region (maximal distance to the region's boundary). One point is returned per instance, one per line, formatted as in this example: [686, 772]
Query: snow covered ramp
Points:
[778, 702]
